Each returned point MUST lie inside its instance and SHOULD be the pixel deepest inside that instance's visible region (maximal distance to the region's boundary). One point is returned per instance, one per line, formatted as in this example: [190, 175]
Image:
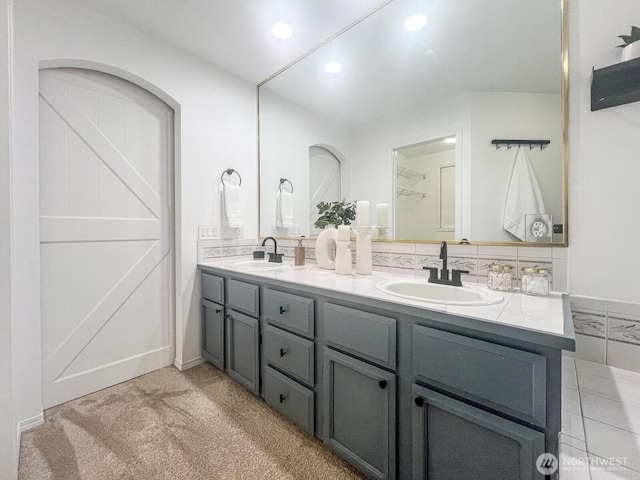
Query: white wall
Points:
[480, 117]
[604, 167]
[8, 443]
[215, 126]
[287, 131]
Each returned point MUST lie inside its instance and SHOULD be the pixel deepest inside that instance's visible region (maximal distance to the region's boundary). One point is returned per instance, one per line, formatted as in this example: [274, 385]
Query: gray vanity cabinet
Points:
[456, 441]
[213, 319]
[289, 350]
[360, 413]
[359, 397]
[243, 338]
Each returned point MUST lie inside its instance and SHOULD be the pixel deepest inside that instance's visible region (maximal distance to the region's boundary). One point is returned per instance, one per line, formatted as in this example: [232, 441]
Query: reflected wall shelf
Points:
[402, 171]
[405, 192]
[615, 85]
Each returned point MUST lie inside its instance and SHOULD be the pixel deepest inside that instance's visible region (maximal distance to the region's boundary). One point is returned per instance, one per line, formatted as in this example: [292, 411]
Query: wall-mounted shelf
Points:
[405, 192]
[615, 85]
[402, 171]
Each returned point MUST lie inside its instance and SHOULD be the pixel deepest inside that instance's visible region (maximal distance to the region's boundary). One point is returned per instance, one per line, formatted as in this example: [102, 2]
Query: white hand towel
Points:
[284, 209]
[232, 207]
[523, 196]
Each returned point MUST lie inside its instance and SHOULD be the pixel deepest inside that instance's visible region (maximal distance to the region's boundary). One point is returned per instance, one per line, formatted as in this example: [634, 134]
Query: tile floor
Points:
[600, 437]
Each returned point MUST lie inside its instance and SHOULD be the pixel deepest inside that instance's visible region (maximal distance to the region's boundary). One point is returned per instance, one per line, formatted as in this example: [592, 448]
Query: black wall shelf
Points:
[615, 85]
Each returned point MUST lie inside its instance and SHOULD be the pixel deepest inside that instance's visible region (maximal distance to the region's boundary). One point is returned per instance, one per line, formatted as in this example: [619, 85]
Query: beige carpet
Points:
[197, 424]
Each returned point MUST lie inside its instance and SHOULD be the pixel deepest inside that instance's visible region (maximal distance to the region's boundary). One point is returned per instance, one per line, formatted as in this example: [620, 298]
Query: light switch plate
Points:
[207, 232]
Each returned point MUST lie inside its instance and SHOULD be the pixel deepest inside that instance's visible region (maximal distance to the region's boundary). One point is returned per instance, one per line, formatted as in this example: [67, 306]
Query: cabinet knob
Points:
[282, 398]
[228, 316]
[282, 309]
[283, 352]
[383, 384]
[419, 401]
[218, 310]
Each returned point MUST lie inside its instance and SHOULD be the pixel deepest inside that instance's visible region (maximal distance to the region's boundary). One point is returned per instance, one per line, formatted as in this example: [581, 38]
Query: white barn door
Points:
[106, 232]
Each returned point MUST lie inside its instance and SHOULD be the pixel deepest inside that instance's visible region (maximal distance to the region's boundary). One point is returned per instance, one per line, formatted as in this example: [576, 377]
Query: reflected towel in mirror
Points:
[284, 209]
[231, 200]
[523, 196]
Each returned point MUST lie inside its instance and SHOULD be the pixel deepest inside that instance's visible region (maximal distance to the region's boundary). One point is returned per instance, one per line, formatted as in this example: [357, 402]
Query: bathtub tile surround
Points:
[607, 331]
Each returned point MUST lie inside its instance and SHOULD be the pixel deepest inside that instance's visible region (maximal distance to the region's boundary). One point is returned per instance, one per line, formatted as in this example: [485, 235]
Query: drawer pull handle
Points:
[218, 310]
[282, 309]
[282, 398]
[383, 384]
[419, 401]
[283, 352]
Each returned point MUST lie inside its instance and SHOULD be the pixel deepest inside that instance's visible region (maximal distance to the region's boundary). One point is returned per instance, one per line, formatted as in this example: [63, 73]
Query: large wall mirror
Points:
[409, 120]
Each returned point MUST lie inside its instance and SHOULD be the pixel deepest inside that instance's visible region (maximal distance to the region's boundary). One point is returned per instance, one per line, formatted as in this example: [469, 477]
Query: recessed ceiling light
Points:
[450, 140]
[333, 67]
[282, 30]
[415, 22]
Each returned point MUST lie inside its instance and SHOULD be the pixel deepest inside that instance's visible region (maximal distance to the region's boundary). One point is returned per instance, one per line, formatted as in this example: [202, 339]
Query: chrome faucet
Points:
[444, 272]
[275, 256]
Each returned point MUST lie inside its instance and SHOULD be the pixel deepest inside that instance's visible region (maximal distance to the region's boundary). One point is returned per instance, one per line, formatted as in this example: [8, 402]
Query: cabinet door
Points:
[360, 413]
[242, 350]
[213, 333]
[455, 441]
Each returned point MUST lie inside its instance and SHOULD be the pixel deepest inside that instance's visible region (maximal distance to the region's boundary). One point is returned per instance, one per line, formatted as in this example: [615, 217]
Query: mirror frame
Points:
[564, 88]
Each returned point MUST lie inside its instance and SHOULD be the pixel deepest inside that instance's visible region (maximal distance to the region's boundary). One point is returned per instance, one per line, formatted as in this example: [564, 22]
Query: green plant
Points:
[628, 39]
[335, 213]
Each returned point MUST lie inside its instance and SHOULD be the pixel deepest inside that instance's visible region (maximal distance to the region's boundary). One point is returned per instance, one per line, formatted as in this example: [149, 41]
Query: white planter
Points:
[631, 51]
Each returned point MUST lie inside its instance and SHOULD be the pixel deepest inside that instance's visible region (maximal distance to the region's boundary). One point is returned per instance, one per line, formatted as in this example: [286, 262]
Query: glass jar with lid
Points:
[535, 281]
[500, 277]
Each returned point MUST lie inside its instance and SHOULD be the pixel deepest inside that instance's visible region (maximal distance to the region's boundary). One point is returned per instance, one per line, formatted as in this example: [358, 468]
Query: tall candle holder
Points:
[364, 262]
[383, 231]
[343, 258]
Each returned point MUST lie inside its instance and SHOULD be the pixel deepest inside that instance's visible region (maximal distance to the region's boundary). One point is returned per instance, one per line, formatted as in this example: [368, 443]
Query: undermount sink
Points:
[261, 265]
[442, 294]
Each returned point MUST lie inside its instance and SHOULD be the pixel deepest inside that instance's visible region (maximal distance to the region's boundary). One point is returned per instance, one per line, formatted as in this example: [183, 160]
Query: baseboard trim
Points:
[29, 423]
[188, 364]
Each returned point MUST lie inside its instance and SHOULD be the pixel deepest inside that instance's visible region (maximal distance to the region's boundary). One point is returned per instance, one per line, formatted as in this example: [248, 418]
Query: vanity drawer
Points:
[289, 398]
[212, 287]
[243, 296]
[289, 353]
[515, 384]
[367, 335]
[292, 312]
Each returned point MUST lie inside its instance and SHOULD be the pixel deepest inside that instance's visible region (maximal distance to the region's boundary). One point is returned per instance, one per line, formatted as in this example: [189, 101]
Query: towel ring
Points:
[230, 171]
[282, 180]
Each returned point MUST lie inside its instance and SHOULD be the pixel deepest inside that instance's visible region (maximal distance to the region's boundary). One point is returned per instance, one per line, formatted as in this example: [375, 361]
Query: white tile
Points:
[572, 442]
[428, 249]
[605, 469]
[560, 252]
[589, 348]
[574, 463]
[572, 425]
[610, 388]
[611, 412]
[625, 356]
[607, 441]
[534, 253]
[571, 400]
[406, 248]
[559, 273]
[618, 374]
[569, 377]
[588, 303]
[500, 252]
[624, 308]
[462, 250]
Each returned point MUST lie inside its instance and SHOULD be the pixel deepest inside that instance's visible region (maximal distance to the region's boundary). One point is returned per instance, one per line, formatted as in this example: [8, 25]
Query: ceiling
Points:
[236, 34]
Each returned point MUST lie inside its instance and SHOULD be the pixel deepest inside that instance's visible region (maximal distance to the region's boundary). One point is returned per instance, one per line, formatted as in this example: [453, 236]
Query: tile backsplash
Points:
[607, 331]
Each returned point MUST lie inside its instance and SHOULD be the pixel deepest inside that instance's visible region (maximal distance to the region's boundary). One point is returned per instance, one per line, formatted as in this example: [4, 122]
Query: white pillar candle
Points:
[363, 213]
[382, 214]
[344, 233]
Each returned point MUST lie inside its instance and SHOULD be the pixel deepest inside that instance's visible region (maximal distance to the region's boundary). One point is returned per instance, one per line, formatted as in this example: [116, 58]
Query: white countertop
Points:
[542, 314]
